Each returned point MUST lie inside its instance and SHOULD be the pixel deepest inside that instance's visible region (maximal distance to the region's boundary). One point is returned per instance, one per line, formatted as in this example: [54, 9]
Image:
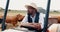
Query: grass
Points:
[12, 13]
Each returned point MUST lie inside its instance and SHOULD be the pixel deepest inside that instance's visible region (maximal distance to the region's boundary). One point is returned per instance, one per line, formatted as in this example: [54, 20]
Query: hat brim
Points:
[26, 6]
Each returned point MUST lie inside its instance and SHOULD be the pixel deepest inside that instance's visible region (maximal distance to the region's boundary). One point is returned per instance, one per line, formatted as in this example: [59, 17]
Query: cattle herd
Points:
[18, 18]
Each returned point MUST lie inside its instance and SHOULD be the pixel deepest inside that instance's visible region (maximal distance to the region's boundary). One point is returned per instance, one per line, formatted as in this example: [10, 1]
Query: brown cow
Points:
[13, 19]
[58, 17]
[20, 17]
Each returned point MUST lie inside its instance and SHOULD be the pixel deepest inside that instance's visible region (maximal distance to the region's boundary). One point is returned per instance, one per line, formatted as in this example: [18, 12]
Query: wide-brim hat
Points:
[31, 5]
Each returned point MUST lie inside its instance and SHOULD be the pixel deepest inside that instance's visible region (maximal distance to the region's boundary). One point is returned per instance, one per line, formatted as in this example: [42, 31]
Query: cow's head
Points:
[20, 17]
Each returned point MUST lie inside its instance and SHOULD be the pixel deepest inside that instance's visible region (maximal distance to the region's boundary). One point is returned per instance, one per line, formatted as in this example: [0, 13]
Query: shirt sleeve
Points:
[41, 19]
[25, 19]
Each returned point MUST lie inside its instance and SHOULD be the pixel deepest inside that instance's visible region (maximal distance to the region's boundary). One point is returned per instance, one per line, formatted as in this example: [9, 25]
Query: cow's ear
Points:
[18, 14]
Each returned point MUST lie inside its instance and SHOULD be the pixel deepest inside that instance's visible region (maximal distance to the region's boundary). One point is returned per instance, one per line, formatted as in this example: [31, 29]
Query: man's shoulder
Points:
[42, 14]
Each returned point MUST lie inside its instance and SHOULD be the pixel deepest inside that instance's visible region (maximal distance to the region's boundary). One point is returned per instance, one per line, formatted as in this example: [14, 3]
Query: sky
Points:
[20, 4]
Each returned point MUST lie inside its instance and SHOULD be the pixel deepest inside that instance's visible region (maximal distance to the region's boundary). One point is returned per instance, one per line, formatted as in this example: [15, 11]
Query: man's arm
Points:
[25, 23]
[40, 25]
[36, 26]
[28, 25]
[41, 20]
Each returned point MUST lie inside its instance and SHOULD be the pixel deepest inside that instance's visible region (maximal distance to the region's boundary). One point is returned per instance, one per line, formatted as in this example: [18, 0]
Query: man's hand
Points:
[37, 26]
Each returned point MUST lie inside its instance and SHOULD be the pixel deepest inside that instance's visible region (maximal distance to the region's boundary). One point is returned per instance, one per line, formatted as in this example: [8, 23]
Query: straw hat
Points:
[32, 5]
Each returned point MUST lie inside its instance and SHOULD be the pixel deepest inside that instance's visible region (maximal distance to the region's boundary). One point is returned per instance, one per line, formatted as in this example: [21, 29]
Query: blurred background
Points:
[17, 6]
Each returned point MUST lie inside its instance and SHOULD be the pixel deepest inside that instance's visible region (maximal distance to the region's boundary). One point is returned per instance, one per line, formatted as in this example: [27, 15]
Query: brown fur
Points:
[13, 19]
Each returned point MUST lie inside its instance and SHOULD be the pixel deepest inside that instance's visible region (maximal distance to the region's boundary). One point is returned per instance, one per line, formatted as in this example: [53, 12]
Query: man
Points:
[34, 20]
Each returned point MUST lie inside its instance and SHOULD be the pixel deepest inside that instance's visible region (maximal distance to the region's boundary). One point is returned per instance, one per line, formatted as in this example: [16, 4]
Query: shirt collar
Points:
[33, 17]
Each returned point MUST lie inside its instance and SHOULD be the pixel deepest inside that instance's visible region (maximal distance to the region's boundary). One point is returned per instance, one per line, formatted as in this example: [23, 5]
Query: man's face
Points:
[31, 10]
